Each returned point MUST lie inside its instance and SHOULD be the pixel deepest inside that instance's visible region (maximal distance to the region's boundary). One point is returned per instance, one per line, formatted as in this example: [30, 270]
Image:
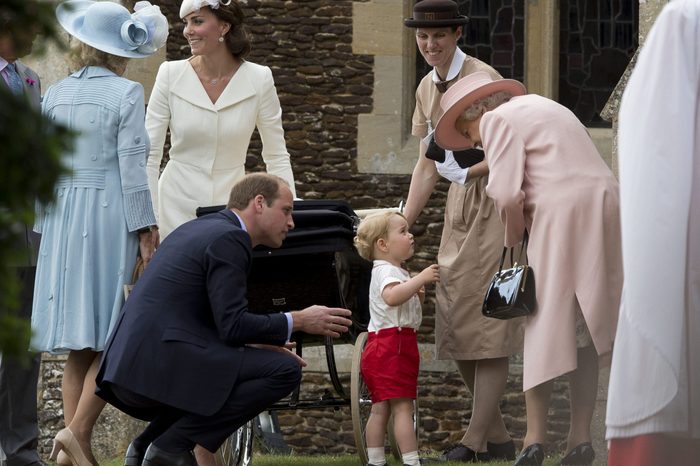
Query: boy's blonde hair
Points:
[373, 227]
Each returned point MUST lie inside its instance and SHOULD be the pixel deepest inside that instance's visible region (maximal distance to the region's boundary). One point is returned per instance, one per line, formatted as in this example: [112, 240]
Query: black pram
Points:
[317, 264]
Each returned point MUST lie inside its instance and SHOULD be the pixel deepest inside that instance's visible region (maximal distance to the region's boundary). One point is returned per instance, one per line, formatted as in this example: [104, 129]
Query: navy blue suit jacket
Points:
[178, 338]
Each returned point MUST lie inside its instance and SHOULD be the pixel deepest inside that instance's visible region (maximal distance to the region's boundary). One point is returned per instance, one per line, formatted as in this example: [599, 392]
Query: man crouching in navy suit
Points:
[186, 354]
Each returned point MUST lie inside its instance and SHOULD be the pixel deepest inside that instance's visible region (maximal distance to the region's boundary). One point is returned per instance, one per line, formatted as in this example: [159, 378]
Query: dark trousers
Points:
[264, 377]
[18, 421]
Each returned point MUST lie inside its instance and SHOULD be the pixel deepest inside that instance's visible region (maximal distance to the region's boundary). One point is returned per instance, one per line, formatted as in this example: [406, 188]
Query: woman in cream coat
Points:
[211, 102]
[547, 177]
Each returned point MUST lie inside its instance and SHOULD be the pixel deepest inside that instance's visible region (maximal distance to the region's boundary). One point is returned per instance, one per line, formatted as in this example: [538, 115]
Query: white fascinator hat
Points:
[109, 27]
[190, 6]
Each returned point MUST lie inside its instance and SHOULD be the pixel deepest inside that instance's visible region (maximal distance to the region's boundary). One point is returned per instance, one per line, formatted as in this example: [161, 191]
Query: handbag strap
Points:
[138, 269]
[526, 236]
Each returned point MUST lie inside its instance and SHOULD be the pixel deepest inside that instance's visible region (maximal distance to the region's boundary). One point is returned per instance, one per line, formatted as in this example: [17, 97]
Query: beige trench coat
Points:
[470, 249]
[547, 176]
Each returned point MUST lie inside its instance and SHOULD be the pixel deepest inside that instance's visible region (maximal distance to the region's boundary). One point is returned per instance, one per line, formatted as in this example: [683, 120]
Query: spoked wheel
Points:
[360, 402]
[237, 450]
[266, 428]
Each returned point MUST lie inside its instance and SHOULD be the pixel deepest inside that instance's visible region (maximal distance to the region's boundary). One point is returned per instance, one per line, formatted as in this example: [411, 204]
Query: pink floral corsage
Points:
[30, 81]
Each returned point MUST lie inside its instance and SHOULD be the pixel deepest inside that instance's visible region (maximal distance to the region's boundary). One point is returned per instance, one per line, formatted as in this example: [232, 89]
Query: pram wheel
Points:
[237, 450]
[360, 402]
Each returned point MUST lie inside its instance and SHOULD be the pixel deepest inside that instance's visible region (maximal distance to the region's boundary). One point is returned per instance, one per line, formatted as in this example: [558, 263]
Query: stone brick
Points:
[316, 21]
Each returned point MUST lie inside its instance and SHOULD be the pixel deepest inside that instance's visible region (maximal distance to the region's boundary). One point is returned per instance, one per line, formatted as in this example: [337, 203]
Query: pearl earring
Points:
[221, 38]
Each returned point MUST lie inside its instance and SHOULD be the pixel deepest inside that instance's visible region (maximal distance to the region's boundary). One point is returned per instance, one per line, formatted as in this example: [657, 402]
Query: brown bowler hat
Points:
[435, 14]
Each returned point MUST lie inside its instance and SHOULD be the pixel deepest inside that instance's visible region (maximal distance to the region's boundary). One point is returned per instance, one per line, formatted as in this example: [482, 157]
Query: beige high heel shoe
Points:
[63, 460]
[65, 441]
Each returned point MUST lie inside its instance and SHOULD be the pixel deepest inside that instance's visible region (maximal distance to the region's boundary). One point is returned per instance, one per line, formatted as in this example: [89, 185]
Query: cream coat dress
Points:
[547, 176]
[470, 249]
[655, 374]
[209, 141]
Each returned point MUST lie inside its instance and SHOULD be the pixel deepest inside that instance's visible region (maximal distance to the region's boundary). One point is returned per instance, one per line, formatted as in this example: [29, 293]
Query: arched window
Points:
[598, 39]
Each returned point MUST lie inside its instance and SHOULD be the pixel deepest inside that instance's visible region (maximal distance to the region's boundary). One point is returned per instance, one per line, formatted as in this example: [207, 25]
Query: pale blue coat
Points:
[89, 234]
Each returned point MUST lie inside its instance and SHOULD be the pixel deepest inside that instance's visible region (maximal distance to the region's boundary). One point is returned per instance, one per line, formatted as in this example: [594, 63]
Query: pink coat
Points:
[547, 176]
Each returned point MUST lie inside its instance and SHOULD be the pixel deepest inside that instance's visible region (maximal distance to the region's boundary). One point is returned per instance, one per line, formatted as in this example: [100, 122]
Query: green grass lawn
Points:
[293, 460]
[345, 460]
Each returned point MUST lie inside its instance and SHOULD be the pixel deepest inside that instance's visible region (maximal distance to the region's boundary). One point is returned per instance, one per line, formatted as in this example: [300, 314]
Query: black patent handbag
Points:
[511, 292]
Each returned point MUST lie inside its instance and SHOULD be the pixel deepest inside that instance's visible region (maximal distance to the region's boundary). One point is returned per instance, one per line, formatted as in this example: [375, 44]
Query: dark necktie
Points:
[14, 80]
[442, 85]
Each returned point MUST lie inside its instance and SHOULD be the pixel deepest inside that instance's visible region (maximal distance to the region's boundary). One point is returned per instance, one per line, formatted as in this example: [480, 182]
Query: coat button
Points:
[137, 140]
[93, 157]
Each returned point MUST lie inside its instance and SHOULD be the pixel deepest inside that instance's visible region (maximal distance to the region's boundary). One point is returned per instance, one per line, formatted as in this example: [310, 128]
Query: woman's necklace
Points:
[215, 81]
[218, 79]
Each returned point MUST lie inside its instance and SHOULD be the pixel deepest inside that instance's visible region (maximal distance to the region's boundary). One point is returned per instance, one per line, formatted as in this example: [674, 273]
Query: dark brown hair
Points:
[236, 38]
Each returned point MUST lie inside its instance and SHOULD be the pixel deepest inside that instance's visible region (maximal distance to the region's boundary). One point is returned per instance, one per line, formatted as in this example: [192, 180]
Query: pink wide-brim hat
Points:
[459, 97]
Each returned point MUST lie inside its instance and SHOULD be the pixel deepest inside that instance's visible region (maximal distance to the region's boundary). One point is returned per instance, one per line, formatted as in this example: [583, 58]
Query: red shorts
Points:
[390, 363]
[654, 450]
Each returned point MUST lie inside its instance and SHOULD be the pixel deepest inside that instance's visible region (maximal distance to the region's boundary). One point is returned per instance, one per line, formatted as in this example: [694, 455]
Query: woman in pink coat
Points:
[547, 177]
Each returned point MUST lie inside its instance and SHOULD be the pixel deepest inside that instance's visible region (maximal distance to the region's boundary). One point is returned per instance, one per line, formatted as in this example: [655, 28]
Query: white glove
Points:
[449, 169]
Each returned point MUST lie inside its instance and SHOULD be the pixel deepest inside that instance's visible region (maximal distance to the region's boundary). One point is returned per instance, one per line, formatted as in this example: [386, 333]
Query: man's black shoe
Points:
[157, 457]
[134, 455]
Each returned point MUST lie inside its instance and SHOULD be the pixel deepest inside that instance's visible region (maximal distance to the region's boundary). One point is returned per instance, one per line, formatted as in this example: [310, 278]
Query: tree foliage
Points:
[30, 153]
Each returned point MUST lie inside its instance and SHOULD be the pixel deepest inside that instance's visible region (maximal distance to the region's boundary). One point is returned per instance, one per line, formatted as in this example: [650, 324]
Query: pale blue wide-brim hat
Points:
[109, 27]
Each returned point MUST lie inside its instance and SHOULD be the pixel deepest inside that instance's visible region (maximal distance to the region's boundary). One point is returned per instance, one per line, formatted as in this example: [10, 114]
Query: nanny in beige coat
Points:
[547, 177]
[470, 246]
[211, 102]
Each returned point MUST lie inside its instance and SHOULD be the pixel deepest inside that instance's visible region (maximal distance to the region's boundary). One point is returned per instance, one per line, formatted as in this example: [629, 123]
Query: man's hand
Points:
[322, 320]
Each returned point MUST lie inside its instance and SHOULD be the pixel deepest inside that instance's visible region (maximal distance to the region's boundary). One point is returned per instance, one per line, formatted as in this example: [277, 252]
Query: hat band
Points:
[432, 15]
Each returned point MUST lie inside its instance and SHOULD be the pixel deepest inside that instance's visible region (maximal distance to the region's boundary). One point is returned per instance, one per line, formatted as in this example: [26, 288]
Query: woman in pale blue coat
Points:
[102, 214]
